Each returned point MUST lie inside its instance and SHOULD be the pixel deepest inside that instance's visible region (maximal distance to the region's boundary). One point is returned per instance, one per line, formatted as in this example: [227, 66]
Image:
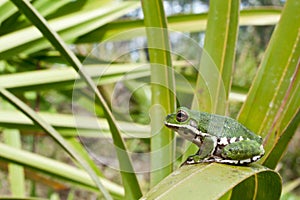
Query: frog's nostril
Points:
[168, 117]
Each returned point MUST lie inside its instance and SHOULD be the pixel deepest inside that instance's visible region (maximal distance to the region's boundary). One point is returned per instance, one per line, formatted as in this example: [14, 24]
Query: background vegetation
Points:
[76, 83]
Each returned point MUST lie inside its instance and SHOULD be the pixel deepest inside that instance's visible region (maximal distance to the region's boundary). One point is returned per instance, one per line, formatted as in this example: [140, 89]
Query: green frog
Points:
[219, 138]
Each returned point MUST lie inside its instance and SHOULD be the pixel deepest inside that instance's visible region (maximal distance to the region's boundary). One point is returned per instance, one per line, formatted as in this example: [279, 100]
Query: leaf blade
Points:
[185, 23]
[132, 188]
[273, 99]
[187, 181]
[162, 82]
[16, 172]
[55, 168]
[219, 46]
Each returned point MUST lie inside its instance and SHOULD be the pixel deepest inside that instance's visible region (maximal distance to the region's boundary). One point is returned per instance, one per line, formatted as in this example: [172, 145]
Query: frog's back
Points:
[226, 127]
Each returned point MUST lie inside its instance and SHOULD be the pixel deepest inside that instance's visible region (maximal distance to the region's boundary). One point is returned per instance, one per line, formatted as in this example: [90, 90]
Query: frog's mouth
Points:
[172, 126]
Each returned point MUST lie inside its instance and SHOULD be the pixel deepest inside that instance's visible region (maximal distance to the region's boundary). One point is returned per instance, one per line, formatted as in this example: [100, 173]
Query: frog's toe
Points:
[189, 161]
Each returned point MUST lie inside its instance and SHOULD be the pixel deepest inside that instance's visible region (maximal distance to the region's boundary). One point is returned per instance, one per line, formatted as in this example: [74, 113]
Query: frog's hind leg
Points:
[241, 152]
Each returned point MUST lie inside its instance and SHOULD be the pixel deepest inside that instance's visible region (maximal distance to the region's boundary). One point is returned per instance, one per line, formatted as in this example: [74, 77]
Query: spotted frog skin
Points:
[219, 138]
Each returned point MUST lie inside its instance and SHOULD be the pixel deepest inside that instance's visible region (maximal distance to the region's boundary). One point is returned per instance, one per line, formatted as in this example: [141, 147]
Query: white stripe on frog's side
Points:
[240, 162]
[227, 161]
[223, 141]
[235, 162]
[256, 158]
[246, 161]
[189, 127]
[232, 140]
[220, 160]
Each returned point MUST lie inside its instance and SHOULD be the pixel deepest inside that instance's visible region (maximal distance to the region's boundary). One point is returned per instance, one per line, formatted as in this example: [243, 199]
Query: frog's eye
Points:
[181, 116]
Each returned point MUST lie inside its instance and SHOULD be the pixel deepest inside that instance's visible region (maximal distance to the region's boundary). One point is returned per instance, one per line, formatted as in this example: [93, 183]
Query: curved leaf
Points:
[258, 16]
[66, 124]
[7, 8]
[56, 169]
[220, 42]
[65, 77]
[71, 26]
[273, 100]
[16, 172]
[216, 64]
[54, 134]
[277, 152]
[162, 85]
[132, 188]
[212, 181]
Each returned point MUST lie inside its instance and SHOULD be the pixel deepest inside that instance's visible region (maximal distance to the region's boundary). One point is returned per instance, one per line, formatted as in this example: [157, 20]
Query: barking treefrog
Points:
[219, 138]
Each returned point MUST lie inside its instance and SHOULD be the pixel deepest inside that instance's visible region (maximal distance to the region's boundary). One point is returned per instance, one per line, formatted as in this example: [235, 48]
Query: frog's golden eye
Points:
[181, 116]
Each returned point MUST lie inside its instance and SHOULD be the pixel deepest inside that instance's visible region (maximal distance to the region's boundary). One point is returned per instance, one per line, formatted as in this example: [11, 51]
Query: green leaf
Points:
[29, 40]
[212, 181]
[56, 169]
[258, 16]
[219, 47]
[84, 154]
[263, 185]
[216, 64]
[291, 185]
[67, 126]
[16, 172]
[45, 8]
[162, 85]
[132, 189]
[6, 9]
[278, 151]
[53, 133]
[64, 78]
[273, 100]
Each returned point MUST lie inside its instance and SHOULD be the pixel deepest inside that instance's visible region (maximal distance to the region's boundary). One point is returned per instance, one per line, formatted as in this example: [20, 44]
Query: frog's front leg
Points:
[207, 147]
[242, 152]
